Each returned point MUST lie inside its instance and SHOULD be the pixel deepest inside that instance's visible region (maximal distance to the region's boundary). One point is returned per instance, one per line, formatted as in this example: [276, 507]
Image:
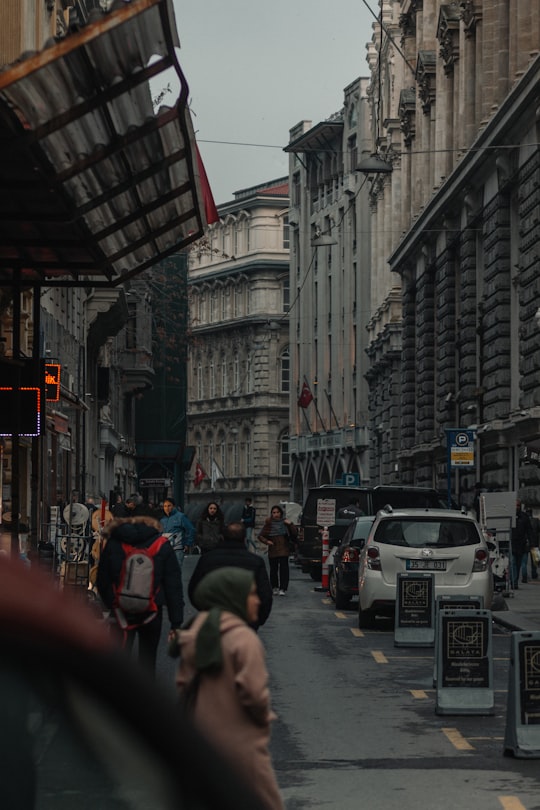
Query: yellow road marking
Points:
[420, 694]
[511, 803]
[356, 632]
[457, 739]
[379, 657]
[339, 615]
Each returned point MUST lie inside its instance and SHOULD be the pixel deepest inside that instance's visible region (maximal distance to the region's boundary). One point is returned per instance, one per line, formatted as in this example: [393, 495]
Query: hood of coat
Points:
[188, 636]
[137, 531]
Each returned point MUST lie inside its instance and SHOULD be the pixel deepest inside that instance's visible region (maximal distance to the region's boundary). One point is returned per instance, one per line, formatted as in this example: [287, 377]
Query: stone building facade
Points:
[330, 296]
[238, 362]
[455, 241]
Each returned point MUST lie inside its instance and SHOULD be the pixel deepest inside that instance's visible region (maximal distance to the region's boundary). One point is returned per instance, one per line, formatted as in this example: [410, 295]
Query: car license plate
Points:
[426, 565]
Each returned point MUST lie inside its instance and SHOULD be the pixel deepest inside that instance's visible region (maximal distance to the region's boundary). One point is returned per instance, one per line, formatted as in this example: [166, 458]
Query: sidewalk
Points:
[520, 609]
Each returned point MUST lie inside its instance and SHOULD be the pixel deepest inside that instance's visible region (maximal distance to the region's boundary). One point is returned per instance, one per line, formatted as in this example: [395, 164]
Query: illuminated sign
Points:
[20, 411]
[52, 382]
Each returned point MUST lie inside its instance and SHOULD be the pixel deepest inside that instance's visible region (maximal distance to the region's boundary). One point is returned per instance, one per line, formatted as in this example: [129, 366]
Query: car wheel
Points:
[342, 600]
[332, 584]
[366, 618]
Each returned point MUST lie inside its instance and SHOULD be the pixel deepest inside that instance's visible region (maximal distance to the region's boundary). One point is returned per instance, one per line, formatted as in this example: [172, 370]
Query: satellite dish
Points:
[76, 513]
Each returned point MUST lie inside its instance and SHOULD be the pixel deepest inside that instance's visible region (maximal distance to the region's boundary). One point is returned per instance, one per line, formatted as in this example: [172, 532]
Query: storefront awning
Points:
[97, 181]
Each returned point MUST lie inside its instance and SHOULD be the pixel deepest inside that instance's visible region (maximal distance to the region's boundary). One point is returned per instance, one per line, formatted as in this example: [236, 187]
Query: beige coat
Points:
[232, 708]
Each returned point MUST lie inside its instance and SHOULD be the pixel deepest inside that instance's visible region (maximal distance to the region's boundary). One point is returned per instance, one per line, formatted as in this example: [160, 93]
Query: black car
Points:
[343, 571]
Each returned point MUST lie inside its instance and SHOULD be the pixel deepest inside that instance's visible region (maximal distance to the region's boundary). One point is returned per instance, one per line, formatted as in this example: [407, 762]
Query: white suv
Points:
[442, 541]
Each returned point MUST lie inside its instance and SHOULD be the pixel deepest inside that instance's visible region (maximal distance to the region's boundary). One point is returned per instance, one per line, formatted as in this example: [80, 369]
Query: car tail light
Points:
[481, 559]
[373, 559]
[350, 555]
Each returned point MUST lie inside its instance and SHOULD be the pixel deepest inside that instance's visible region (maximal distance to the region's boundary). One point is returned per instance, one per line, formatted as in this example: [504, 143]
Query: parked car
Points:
[368, 499]
[343, 566]
[445, 542]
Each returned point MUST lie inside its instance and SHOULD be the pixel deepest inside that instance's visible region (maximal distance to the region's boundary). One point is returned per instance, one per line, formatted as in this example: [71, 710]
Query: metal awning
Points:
[96, 184]
[319, 138]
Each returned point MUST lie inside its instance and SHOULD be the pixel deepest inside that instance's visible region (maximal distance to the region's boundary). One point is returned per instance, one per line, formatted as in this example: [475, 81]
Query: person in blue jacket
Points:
[178, 527]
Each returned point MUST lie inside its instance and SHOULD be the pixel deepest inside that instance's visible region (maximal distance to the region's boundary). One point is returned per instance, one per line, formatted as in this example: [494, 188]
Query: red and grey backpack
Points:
[135, 595]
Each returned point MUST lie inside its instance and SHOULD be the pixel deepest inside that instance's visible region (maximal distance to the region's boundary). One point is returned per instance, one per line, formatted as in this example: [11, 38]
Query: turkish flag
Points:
[200, 475]
[210, 209]
[305, 396]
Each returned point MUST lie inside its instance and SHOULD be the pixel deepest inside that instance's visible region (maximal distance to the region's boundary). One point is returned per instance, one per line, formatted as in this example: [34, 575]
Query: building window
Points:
[238, 299]
[286, 294]
[285, 370]
[246, 453]
[235, 456]
[212, 380]
[249, 374]
[200, 386]
[285, 465]
[236, 374]
[286, 232]
[224, 295]
[213, 305]
[224, 386]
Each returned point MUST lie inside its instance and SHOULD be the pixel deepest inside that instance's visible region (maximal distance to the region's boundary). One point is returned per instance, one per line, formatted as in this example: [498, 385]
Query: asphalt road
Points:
[357, 725]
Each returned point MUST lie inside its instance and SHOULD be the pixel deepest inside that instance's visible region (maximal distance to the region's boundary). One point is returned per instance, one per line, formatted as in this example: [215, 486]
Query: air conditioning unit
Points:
[349, 184]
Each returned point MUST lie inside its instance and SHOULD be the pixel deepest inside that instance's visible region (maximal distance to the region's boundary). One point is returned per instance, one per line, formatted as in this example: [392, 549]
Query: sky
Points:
[255, 69]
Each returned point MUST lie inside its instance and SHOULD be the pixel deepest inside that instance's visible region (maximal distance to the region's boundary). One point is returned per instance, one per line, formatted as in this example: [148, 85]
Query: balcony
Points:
[136, 370]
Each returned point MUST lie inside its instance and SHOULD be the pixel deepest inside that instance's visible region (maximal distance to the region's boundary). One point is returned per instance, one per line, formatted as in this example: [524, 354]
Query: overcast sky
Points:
[256, 68]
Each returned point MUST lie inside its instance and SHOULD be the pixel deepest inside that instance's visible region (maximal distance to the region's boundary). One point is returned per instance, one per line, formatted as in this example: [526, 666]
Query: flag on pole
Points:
[305, 396]
[216, 473]
[210, 209]
[200, 475]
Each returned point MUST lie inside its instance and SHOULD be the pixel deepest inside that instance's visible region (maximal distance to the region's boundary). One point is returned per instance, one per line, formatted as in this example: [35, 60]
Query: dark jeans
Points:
[279, 572]
[148, 636]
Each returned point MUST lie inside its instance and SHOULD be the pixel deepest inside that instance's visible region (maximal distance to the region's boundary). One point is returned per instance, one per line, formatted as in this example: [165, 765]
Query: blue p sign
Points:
[351, 479]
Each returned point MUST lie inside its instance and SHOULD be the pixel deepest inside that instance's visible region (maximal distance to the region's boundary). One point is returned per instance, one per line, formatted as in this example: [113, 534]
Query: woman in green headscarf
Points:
[222, 667]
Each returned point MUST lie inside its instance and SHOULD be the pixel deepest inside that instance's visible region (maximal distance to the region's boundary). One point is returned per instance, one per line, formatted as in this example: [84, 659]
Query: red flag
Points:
[200, 475]
[210, 209]
[305, 396]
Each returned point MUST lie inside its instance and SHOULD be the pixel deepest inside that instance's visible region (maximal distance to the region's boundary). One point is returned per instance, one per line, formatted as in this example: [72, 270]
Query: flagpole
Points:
[332, 410]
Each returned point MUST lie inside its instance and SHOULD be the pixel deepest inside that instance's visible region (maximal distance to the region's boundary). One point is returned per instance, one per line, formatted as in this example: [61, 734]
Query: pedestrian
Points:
[119, 508]
[350, 511]
[136, 507]
[141, 532]
[533, 548]
[277, 533]
[210, 527]
[231, 551]
[224, 681]
[248, 519]
[522, 537]
[178, 527]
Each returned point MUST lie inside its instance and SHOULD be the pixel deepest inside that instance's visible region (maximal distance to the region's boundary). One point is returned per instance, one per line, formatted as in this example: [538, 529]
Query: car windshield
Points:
[418, 533]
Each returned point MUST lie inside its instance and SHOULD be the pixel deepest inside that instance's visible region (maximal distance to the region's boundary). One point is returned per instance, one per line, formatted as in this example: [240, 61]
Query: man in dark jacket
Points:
[141, 532]
[231, 551]
[522, 539]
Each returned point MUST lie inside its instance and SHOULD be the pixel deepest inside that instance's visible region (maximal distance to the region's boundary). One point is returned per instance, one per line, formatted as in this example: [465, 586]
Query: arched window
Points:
[236, 374]
[224, 386]
[212, 380]
[285, 370]
[200, 378]
[238, 299]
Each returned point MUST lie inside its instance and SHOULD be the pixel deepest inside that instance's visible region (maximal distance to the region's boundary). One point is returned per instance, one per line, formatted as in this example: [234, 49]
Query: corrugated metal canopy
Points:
[95, 185]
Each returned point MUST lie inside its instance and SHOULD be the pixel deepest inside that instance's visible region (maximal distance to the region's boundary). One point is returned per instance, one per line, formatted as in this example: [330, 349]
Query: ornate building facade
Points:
[455, 241]
[238, 364]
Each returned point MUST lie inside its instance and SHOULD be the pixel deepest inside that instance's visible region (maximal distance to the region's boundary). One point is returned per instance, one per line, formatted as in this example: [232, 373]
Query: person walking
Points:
[210, 527]
[248, 519]
[522, 537]
[223, 678]
[140, 532]
[231, 551]
[178, 527]
[533, 544]
[277, 533]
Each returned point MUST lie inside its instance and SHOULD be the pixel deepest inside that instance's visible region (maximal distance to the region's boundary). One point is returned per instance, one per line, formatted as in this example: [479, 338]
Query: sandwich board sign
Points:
[447, 602]
[522, 734]
[464, 662]
[415, 610]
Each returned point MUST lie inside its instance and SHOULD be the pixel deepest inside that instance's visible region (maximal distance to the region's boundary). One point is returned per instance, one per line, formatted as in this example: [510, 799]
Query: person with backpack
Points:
[137, 574]
[178, 527]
